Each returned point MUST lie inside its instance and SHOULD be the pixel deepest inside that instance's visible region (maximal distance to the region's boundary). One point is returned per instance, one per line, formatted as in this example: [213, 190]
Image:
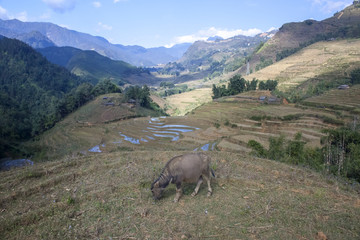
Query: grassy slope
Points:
[91, 125]
[107, 196]
[349, 98]
[181, 104]
[331, 60]
[334, 59]
[343, 24]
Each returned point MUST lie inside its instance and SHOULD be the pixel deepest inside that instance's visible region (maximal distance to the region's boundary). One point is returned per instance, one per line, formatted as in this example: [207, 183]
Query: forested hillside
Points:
[35, 94]
[91, 65]
[30, 88]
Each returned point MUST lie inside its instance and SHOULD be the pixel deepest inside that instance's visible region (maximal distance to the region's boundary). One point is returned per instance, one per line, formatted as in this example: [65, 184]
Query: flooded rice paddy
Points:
[7, 164]
[155, 129]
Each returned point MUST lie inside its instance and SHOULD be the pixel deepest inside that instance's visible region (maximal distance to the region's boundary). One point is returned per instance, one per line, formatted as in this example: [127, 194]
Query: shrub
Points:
[277, 148]
[257, 149]
[355, 76]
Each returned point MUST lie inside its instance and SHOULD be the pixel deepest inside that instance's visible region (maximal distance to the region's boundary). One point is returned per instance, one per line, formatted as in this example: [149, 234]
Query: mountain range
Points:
[40, 35]
[224, 54]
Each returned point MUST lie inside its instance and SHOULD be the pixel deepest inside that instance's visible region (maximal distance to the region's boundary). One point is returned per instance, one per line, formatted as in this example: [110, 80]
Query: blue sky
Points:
[152, 23]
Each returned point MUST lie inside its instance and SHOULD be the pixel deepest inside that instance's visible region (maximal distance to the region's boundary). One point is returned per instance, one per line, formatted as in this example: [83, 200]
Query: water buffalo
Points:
[189, 168]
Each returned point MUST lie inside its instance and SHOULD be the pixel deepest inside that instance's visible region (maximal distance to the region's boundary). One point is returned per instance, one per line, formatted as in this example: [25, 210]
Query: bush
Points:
[341, 148]
[277, 148]
[257, 149]
[355, 76]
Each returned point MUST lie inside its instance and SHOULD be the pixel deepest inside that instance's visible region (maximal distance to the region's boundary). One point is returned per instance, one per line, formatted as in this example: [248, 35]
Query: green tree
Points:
[271, 85]
[268, 85]
[262, 85]
[104, 87]
[355, 76]
[253, 85]
[341, 150]
[140, 94]
[219, 91]
[295, 149]
[257, 149]
[277, 148]
[237, 85]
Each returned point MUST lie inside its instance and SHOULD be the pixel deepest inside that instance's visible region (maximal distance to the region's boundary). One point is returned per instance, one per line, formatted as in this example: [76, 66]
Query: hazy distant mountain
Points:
[93, 67]
[217, 55]
[35, 39]
[39, 34]
[215, 38]
[154, 56]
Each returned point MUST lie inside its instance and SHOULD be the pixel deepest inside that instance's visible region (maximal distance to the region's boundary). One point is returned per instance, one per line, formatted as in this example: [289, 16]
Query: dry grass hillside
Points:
[339, 99]
[107, 196]
[335, 59]
[181, 104]
[293, 36]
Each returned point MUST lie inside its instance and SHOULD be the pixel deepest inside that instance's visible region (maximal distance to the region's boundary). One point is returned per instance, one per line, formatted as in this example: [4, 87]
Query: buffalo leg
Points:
[178, 192]
[197, 187]
[207, 179]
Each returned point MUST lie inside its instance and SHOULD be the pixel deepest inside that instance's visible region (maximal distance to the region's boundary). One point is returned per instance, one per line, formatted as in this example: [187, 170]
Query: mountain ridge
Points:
[60, 37]
[94, 67]
[294, 36]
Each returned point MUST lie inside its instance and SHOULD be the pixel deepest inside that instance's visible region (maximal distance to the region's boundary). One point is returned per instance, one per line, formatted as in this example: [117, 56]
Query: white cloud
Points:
[22, 16]
[330, 6]
[104, 26]
[46, 15]
[3, 13]
[60, 6]
[116, 1]
[211, 32]
[272, 29]
[97, 4]
[65, 26]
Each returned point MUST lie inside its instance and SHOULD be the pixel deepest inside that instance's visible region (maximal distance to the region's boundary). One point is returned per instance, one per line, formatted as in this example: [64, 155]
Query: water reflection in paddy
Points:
[154, 130]
[157, 128]
[206, 147]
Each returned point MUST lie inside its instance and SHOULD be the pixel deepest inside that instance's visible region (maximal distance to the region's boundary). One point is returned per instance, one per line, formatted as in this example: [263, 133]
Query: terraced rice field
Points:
[332, 57]
[181, 104]
[348, 98]
[223, 125]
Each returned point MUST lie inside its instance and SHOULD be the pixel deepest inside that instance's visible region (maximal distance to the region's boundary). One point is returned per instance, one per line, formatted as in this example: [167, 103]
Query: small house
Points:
[273, 100]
